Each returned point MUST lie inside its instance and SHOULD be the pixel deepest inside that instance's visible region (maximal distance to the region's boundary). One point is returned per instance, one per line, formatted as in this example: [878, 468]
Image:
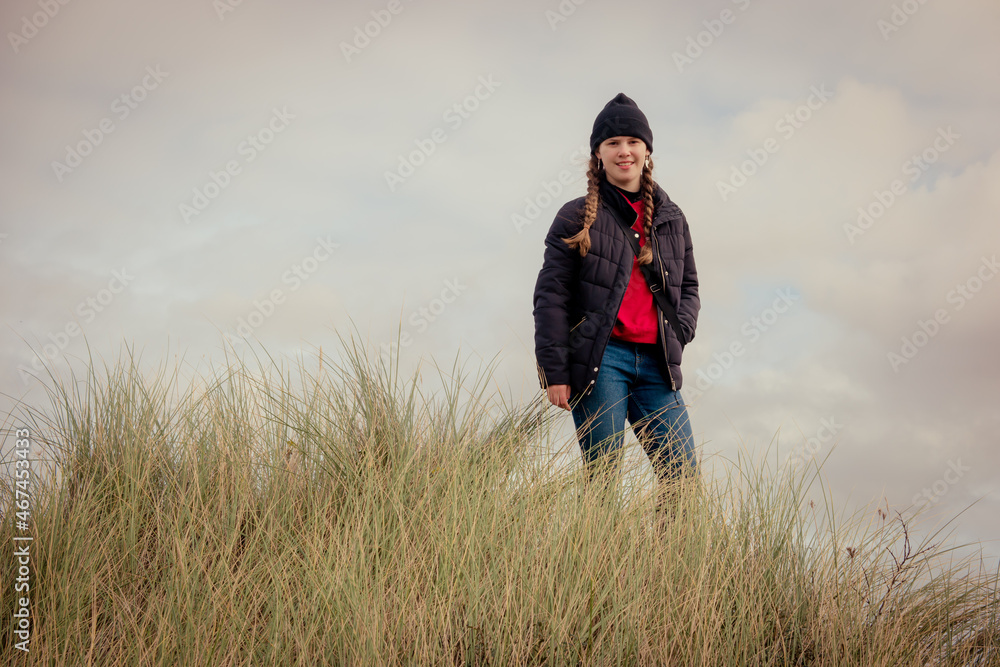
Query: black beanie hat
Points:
[621, 117]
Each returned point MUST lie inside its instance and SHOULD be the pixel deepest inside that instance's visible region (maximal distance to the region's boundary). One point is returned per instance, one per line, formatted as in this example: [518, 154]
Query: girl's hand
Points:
[559, 395]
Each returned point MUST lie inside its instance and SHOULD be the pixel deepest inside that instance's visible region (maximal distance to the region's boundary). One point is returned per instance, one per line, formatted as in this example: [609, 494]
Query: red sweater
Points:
[637, 319]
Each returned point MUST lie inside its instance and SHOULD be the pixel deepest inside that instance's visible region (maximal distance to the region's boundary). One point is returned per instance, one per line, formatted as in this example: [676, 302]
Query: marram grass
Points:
[345, 518]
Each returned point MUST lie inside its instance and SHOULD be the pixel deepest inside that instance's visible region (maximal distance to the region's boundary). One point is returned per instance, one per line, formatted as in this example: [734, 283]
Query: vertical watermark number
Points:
[22, 541]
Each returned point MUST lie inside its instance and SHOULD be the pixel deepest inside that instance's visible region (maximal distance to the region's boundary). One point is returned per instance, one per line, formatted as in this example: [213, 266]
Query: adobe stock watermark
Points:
[121, 108]
[363, 35]
[751, 331]
[914, 167]
[423, 317]
[295, 276]
[803, 453]
[928, 329]
[547, 193]
[931, 495]
[30, 25]
[899, 17]
[455, 116]
[21, 619]
[248, 149]
[87, 310]
[786, 126]
[223, 7]
[562, 12]
[696, 44]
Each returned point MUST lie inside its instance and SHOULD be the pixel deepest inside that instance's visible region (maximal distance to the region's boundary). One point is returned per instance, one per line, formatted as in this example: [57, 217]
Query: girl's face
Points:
[623, 159]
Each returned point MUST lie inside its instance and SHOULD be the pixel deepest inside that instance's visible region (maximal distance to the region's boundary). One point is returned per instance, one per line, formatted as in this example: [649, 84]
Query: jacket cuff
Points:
[553, 377]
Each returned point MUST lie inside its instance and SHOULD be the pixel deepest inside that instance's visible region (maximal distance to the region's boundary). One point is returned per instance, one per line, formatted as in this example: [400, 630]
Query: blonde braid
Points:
[581, 239]
[646, 186]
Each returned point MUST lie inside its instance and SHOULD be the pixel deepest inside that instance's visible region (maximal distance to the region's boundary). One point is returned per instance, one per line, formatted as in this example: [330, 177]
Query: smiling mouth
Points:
[625, 165]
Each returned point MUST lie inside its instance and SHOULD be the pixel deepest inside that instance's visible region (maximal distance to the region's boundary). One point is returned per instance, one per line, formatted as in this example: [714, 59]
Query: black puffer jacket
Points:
[576, 299]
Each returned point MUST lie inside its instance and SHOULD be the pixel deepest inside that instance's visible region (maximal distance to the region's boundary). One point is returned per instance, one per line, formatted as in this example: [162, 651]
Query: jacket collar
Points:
[622, 208]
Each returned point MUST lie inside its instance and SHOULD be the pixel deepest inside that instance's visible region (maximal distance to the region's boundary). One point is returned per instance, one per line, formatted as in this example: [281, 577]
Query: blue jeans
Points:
[631, 384]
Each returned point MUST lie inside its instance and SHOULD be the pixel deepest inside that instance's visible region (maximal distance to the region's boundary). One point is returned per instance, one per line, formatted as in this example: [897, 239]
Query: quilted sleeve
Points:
[554, 288]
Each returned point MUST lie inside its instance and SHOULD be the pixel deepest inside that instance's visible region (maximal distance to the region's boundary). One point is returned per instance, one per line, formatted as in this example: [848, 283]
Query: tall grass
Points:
[338, 515]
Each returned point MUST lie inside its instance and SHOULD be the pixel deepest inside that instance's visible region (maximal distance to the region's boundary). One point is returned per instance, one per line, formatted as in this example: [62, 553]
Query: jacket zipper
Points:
[571, 331]
[659, 316]
[590, 388]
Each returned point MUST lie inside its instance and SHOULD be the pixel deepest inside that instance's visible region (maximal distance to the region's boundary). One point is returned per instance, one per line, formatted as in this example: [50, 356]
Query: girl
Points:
[608, 347]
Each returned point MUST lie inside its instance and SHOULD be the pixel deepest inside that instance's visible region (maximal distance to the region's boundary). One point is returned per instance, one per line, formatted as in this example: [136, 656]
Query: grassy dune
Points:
[341, 516]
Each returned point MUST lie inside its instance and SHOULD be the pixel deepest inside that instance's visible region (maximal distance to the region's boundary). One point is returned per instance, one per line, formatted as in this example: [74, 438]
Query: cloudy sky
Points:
[175, 173]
